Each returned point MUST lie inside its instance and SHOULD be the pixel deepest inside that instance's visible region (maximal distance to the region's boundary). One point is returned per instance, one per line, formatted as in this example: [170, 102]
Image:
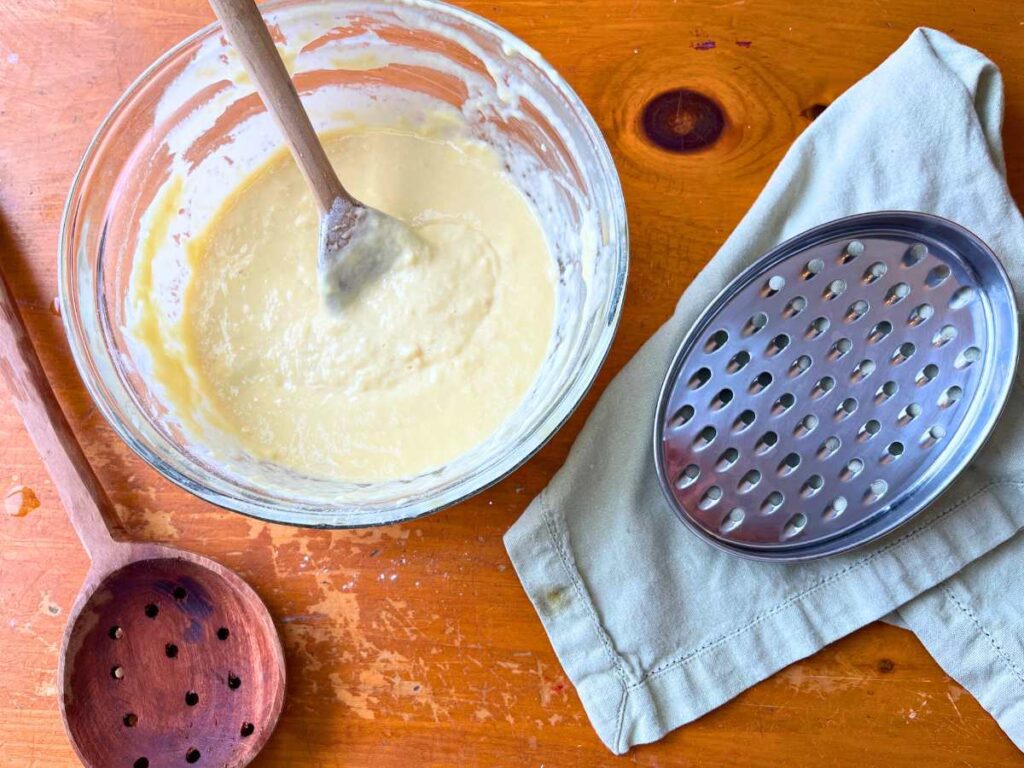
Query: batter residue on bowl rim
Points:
[425, 364]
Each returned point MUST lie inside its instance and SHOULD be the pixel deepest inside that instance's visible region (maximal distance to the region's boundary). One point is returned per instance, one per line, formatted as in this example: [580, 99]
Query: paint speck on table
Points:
[20, 500]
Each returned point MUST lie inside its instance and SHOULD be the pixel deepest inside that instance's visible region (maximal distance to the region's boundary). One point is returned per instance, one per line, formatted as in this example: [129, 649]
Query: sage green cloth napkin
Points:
[654, 626]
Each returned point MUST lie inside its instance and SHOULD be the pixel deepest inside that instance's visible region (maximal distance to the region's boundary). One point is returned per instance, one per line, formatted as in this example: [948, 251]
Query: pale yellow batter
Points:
[425, 364]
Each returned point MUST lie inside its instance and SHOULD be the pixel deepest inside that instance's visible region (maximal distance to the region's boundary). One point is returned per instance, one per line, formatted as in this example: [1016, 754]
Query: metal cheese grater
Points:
[837, 386]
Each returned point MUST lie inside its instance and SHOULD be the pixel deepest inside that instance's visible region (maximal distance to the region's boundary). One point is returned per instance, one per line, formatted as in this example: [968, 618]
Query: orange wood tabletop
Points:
[415, 644]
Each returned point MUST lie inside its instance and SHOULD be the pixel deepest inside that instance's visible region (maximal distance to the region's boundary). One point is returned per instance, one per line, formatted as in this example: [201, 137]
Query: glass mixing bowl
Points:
[193, 116]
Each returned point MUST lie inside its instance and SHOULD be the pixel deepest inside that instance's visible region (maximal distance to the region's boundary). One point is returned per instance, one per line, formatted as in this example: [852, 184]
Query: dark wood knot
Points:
[885, 666]
[683, 121]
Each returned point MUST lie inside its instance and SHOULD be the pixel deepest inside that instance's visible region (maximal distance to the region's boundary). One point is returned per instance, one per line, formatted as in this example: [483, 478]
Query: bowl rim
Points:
[461, 490]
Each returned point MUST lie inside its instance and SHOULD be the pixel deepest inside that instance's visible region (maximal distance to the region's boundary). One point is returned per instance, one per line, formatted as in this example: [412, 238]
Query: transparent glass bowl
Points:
[194, 115]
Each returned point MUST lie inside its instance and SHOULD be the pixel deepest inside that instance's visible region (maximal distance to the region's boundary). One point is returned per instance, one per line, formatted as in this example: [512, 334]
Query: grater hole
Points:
[817, 327]
[961, 298]
[922, 313]
[682, 417]
[876, 491]
[722, 399]
[835, 508]
[766, 442]
[968, 357]
[794, 526]
[828, 448]
[822, 387]
[777, 344]
[705, 438]
[875, 272]
[944, 335]
[897, 293]
[904, 352]
[926, 374]
[834, 290]
[856, 311]
[951, 397]
[115, 633]
[234, 681]
[171, 651]
[774, 284]
[729, 457]
[732, 521]
[864, 369]
[749, 481]
[701, 377]
[151, 610]
[879, 332]
[914, 255]
[744, 421]
[142, 762]
[247, 730]
[716, 341]
[761, 382]
[800, 366]
[908, 414]
[851, 469]
[756, 322]
[806, 425]
[117, 672]
[851, 252]
[180, 594]
[933, 435]
[846, 409]
[789, 464]
[130, 720]
[191, 698]
[840, 349]
[869, 429]
[813, 484]
[711, 497]
[688, 476]
[783, 404]
[772, 502]
[813, 268]
[892, 452]
[886, 392]
[738, 362]
[795, 306]
[192, 756]
[938, 276]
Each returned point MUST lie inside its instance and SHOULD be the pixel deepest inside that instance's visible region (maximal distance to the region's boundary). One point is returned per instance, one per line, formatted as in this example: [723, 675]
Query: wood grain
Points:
[417, 642]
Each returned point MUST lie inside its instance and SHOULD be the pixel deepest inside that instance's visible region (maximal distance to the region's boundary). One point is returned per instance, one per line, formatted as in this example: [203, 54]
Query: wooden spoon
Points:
[357, 242]
[168, 658]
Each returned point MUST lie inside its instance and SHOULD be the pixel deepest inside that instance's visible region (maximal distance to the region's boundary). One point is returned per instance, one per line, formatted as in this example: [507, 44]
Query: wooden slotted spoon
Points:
[168, 658]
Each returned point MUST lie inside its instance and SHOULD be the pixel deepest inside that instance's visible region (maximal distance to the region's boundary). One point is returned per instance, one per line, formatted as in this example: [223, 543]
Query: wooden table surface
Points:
[415, 644]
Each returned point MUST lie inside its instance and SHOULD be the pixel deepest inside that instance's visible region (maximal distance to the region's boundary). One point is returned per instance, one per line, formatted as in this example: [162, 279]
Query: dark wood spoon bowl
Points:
[168, 657]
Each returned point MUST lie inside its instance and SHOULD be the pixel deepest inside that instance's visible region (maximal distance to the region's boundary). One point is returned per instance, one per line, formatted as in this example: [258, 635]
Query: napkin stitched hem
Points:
[618, 703]
[972, 650]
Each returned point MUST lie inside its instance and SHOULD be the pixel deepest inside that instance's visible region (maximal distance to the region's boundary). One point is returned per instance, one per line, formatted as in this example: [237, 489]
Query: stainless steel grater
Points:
[837, 386]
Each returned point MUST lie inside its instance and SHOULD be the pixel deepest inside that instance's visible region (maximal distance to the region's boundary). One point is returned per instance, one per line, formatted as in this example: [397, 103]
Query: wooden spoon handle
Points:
[249, 35]
[86, 503]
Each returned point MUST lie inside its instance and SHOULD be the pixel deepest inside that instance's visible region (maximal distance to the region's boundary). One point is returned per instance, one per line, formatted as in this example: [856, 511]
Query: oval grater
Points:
[837, 386]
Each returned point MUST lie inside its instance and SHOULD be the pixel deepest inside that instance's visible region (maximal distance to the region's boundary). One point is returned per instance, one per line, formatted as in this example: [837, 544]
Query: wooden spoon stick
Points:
[85, 500]
[248, 34]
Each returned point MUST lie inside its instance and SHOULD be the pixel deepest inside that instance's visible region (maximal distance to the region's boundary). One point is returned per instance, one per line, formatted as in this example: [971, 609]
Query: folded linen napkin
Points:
[654, 626]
